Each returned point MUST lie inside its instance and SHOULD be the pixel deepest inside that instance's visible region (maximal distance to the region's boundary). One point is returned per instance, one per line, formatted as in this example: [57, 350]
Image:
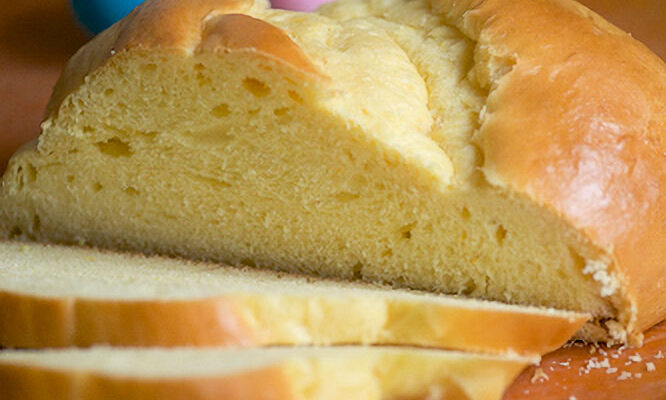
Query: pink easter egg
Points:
[298, 5]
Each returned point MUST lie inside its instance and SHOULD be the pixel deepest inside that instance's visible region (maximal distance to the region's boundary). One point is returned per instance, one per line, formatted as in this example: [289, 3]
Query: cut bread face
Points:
[336, 146]
[53, 296]
[278, 373]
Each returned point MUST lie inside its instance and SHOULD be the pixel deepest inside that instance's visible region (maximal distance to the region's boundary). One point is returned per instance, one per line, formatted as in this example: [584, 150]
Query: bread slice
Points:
[348, 373]
[508, 149]
[54, 296]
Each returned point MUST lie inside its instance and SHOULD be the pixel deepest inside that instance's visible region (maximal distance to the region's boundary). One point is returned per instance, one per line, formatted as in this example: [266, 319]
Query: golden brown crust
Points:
[266, 383]
[229, 32]
[175, 25]
[32, 322]
[597, 157]
[35, 383]
[537, 334]
[29, 321]
[307, 374]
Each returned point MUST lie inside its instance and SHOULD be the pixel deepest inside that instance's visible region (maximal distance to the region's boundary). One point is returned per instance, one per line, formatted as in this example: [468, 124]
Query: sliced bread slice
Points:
[54, 296]
[349, 373]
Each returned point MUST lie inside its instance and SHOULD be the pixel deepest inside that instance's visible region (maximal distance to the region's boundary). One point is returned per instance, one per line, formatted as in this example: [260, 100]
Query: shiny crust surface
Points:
[27, 382]
[578, 123]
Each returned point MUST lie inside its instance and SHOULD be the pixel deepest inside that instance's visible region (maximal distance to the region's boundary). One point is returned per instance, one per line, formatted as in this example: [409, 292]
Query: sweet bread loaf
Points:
[506, 149]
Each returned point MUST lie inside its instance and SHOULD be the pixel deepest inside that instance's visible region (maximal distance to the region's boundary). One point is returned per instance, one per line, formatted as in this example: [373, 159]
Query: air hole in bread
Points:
[406, 231]
[281, 111]
[203, 80]
[388, 253]
[346, 196]
[109, 92]
[479, 157]
[469, 287]
[15, 233]
[131, 191]
[465, 213]
[248, 263]
[115, 148]
[500, 234]
[357, 271]
[256, 87]
[70, 178]
[577, 260]
[30, 173]
[255, 111]
[25, 175]
[36, 224]
[19, 177]
[97, 186]
[149, 67]
[349, 155]
[221, 111]
[295, 97]
[88, 129]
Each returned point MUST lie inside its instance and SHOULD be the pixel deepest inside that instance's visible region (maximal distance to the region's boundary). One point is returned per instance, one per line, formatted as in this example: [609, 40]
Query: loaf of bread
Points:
[507, 149]
[349, 373]
[54, 296]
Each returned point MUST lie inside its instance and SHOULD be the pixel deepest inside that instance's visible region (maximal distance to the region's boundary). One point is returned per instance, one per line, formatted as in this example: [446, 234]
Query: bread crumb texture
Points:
[367, 141]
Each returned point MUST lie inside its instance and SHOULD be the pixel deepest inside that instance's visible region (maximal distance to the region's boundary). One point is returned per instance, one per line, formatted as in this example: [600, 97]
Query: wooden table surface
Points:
[38, 36]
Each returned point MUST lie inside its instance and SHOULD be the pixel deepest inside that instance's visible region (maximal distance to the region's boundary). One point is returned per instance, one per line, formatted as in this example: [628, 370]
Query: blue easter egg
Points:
[97, 15]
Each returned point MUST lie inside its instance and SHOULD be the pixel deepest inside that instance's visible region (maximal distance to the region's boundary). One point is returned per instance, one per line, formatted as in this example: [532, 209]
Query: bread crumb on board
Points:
[624, 376]
[539, 376]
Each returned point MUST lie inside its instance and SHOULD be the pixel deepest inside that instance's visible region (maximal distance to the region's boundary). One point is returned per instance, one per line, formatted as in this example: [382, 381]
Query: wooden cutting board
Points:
[38, 36]
[584, 372]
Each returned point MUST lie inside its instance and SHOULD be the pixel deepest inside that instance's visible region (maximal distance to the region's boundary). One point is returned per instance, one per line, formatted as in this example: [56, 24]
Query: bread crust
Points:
[29, 321]
[29, 382]
[350, 373]
[597, 157]
[239, 32]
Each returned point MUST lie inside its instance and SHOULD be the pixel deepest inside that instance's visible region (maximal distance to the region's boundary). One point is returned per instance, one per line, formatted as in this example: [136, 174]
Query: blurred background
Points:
[38, 36]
